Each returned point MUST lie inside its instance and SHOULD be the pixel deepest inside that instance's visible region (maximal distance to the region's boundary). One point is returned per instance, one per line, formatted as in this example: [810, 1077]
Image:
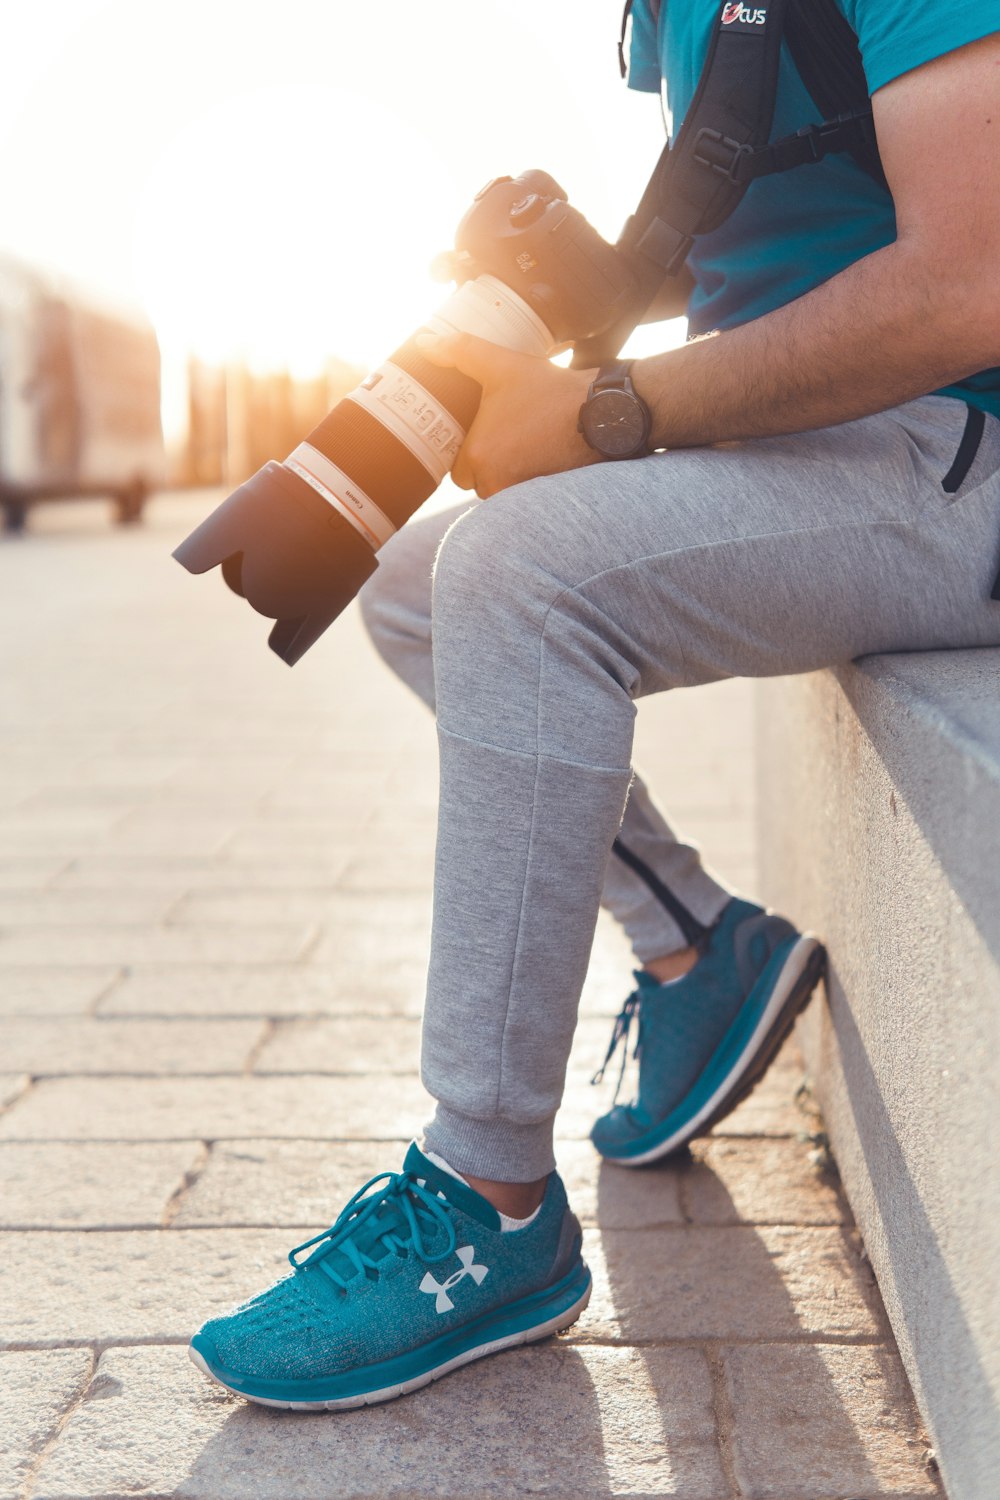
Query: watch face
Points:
[615, 423]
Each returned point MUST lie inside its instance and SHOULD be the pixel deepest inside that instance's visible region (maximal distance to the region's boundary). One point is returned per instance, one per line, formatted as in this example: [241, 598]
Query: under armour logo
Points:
[467, 1256]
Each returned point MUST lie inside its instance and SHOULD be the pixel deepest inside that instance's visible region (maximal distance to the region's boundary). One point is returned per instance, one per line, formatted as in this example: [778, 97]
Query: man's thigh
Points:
[758, 558]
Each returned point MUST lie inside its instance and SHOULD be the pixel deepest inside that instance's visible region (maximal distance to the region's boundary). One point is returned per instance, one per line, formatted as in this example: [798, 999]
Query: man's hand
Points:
[527, 420]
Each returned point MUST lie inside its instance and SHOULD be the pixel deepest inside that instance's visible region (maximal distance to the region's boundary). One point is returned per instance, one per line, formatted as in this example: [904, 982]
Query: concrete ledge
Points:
[880, 830]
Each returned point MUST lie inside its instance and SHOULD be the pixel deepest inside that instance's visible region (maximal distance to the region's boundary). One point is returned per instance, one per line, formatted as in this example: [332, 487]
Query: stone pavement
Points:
[214, 880]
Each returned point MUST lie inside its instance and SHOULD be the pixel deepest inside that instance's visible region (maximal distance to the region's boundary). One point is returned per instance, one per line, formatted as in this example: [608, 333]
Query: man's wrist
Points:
[647, 385]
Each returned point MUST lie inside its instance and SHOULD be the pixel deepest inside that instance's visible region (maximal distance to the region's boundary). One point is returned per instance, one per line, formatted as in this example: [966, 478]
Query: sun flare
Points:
[262, 235]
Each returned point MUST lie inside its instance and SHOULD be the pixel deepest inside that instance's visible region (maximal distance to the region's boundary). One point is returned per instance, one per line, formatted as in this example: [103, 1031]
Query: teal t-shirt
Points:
[795, 230]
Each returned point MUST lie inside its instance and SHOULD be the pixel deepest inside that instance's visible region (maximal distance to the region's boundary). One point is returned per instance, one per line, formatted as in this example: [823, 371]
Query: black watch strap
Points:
[614, 377]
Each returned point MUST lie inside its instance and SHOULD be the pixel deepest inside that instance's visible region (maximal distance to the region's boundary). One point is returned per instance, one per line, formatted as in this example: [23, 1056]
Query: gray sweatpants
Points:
[554, 606]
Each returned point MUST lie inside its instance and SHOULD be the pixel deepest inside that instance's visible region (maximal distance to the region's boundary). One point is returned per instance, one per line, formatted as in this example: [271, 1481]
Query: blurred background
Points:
[214, 217]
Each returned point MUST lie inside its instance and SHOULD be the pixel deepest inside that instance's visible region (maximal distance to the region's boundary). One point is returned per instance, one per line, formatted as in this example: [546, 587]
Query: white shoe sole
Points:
[389, 1393]
[796, 965]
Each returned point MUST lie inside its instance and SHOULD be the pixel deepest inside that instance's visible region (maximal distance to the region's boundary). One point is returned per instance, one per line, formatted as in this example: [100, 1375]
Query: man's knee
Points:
[500, 555]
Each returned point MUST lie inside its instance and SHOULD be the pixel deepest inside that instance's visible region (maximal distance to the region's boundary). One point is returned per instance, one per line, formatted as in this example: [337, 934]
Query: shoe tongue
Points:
[459, 1193]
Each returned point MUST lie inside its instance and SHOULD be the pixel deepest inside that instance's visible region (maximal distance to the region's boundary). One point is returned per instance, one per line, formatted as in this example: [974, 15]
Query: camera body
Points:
[300, 537]
[523, 231]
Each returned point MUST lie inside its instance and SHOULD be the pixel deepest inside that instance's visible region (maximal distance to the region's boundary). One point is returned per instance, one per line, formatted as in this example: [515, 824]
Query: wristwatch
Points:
[614, 419]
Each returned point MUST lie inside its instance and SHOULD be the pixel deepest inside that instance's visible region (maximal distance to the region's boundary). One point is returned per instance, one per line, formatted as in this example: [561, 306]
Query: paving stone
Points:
[77, 746]
[284, 839]
[308, 779]
[590, 1045]
[345, 814]
[408, 869]
[325, 1108]
[348, 1044]
[235, 908]
[154, 833]
[242, 876]
[31, 840]
[121, 796]
[407, 816]
[128, 945]
[231, 766]
[30, 872]
[247, 1182]
[12, 1086]
[214, 742]
[735, 1283]
[276, 1182]
[112, 771]
[409, 809]
[759, 1182]
[549, 1420]
[232, 801]
[392, 915]
[359, 786]
[122, 1286]
[67, 1045]
[823, 1421]
[81, 908]
[609, 975]
[649, 1286]
[92, 1185]
[41, 991]
[67, 822]
[35, 1390]
[269, 989]
[617, 1197]
[362, 934]
[580, 1107]
[15, 792]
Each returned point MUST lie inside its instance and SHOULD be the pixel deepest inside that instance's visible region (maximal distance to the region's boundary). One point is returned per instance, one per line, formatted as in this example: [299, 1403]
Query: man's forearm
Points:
[887, 329]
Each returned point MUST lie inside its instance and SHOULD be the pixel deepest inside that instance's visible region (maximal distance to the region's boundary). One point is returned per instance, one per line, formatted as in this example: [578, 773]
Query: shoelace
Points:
[409, 1199]
[630, 1011]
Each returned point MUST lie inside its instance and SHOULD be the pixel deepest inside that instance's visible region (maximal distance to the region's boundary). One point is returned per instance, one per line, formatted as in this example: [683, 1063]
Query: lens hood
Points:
[287, 552]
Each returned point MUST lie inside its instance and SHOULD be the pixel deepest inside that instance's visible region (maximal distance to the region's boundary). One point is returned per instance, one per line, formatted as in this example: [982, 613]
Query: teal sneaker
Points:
[414, 1279]
[704, 1040]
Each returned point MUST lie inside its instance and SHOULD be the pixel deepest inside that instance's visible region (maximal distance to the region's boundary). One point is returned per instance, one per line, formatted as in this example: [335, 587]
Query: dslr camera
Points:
[299, 538]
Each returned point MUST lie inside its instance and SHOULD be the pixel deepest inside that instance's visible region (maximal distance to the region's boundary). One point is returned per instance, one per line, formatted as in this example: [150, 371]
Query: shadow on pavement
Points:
[782, 1425]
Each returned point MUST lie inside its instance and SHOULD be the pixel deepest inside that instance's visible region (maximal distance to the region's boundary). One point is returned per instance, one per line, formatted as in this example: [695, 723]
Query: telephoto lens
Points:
[300, 537]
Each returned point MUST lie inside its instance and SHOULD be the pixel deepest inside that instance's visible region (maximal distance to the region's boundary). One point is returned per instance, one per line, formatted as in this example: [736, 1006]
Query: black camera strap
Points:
[826, 53]
[694, 186]
[723, 144]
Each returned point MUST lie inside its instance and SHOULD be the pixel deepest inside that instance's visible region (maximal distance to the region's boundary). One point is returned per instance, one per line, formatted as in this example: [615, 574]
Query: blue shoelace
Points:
[630, 1011]
[409, 1206]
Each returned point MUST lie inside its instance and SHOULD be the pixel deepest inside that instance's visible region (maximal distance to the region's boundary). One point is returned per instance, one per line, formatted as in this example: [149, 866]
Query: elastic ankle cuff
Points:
[497, 1150]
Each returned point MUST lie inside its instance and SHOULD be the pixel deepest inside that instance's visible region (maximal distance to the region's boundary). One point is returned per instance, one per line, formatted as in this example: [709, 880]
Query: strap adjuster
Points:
[720, 153]
[836, 134]
[665, 245]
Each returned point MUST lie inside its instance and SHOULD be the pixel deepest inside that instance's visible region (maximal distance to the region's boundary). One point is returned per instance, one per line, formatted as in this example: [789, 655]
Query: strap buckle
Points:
[835, 134]
[720, 153]
[817, 138]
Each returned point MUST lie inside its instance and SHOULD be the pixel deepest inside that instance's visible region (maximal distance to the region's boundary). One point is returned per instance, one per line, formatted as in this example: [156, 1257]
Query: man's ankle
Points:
[518, 1200]
[672, 965]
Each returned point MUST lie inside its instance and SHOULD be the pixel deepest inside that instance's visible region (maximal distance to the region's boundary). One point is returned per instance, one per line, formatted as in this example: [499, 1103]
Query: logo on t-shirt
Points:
[743, 18]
